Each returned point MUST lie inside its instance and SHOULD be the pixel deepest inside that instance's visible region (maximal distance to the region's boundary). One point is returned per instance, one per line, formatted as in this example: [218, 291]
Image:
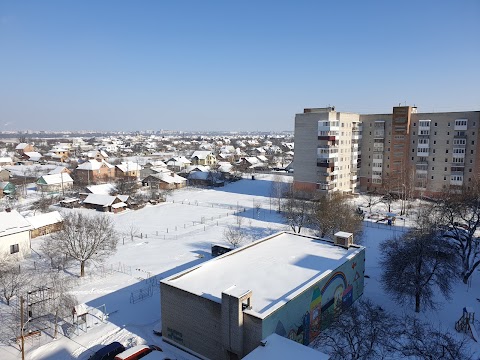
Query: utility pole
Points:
[21, 328]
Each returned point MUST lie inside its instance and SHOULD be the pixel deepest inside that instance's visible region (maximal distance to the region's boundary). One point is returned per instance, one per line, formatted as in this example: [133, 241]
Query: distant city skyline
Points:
[230, 66]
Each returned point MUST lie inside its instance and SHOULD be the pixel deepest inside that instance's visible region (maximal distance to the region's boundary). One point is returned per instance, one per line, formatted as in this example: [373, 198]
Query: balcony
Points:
[325, 186]
[356, 135]
[423, 152]
[327, 137]
[456, 181]
[326, 163]
[461, 124]
[379, 134]
[424, 125]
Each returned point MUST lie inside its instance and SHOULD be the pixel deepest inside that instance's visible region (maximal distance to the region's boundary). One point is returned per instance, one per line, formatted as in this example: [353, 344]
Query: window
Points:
[433, 168]
[446, 151]
[432, 177]
[14, 249]
[435, 124]
[448, 124]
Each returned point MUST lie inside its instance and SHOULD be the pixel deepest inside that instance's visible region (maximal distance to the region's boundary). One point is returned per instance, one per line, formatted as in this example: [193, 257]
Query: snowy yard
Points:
[178, 234]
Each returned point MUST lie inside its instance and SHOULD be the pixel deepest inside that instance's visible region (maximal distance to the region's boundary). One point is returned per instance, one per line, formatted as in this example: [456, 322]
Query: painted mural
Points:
[303, 317]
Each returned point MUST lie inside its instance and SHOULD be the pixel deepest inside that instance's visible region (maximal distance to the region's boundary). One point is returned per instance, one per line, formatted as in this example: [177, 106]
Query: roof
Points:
[12, 222]
[119, 205]
[5, 159]
[201, 154]
[275, 347]
[129, 166]
[93, 165]
[298, 261]
[41, 220]
[55, 179]
[99, 199]
[168, 178]
[57, 170]
[21, 146]
[33, 155]
[101, 189]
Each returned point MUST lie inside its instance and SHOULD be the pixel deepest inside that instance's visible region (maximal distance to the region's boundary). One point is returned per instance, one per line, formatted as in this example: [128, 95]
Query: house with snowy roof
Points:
[106, 203]
[14, 235]
[203, 157]
[22, 148]
[43, 224]
[32, 156]
[165, 181]
[54, 182]
[6, 160]
[286, 284]
[7, 188]
[128, 169]
[92, 171]
[178, 163]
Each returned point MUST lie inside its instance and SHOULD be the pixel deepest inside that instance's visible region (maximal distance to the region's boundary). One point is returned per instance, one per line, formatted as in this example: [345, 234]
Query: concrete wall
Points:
[191, 321]
[20, 238]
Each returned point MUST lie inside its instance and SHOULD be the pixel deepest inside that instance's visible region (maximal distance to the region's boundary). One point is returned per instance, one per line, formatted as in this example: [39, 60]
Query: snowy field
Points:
[178, 234]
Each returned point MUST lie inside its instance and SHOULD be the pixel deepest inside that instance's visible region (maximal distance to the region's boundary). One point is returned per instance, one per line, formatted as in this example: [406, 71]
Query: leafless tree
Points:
[58, 259]
[296, 210]
[423, 341]
[132, 230]
[278, 190]
[362, 331]
[335, 213]
[372, 198]
[61, 300]
[12, 280]
[234, 236]
[459, 213]
[418, 265]
[85, 238]
[42, 204]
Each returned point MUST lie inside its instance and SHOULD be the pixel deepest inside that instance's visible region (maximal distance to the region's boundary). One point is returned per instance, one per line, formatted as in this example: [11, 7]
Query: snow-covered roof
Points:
[33, 155]
[276, 347]
[129, 166]
[101, 189]
[12, 222]
[201, 168]
[119, 205]
[21, 146]
[41, 220]
[57, 170]
[198, 175]
[99, 199]
[5, 160]
[297, 262]
[169, 178]
[55, 179]
[201, 154]
[93, 165]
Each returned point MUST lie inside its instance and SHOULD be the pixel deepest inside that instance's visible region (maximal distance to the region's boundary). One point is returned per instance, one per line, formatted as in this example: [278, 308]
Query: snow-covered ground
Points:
[178, 234]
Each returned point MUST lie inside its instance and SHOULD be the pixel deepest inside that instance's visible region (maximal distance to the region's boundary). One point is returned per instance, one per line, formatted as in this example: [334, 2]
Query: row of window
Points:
[458, 122]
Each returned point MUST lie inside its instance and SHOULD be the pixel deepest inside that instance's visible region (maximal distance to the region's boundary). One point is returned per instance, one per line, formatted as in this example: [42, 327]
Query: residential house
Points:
[6, 188]
[98, 155]
[33, 156]
[128, 169]
[55, 182]
[6, 160]
[22, 148]
[44, 224]
[14, 235]
[165, 181]
[4, 174]
[59, 169]
[205, 178]
[92, 171]
[203, 157]
[105, 203]
[178, 163]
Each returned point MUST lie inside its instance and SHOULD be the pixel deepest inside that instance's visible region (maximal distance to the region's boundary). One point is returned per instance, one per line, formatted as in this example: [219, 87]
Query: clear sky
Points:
[230, 65]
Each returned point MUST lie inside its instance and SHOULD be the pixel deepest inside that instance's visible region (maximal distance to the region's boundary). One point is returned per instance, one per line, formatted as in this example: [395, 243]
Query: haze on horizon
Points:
[230, 66]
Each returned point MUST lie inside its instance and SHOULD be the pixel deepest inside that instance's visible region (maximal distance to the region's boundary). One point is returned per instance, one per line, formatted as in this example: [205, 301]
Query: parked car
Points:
[137, 352]
[108, 352]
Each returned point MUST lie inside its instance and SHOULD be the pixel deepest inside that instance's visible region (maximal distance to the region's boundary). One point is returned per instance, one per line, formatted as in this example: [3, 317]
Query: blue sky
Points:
[230, 65]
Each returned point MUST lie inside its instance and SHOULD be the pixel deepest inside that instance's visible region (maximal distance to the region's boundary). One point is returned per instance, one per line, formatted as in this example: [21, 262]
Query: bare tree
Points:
[278, 190]
[425, 342]
[234, 236]
[335, 213]
[61, 301]
[372, 198]
[86, 238]
[416, 266]
[460, 214]
[296, 210]
[132, 230]
[58, 259]
[12, 280]
[362, 331]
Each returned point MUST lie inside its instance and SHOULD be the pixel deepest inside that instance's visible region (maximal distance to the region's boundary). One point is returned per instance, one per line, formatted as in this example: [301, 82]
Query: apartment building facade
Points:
[402, 152]
[327, 154]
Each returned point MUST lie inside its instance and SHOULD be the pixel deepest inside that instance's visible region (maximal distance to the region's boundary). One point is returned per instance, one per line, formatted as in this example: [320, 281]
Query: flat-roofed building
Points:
[288, 284]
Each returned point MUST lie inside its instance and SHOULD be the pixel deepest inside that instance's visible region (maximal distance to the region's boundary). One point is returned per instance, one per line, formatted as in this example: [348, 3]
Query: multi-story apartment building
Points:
[405, 151]
[327, 154]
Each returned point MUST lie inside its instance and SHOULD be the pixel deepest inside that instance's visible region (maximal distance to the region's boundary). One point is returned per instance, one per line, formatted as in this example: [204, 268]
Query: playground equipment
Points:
[466, 323]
